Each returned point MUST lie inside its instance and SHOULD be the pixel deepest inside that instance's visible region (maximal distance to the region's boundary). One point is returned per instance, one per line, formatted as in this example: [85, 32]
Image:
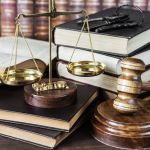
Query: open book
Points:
[40, 51]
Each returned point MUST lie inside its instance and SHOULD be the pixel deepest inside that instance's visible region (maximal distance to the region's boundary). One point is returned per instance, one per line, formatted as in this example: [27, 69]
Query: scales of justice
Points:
[122, 123]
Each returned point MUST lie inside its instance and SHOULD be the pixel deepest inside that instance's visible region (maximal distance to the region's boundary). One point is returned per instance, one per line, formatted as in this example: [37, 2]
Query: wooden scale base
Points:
[51, 98]
[120, 130]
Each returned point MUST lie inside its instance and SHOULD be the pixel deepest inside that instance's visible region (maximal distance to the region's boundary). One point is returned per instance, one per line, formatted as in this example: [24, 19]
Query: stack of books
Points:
[109, 48]
[38, 126]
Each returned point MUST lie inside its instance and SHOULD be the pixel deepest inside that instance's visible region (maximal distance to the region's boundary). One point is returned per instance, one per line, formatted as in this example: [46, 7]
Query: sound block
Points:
[51, 98]
[119, 130]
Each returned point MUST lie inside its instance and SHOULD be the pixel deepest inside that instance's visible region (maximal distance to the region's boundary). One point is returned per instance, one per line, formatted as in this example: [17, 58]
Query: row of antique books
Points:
[38, 27]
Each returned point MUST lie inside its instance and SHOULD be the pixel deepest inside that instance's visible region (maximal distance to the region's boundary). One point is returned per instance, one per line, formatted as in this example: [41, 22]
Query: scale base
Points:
[55, 98]
[121, 131]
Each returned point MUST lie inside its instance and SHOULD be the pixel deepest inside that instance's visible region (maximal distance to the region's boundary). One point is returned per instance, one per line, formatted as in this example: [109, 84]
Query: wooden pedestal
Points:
[51, 98]
[119, 130]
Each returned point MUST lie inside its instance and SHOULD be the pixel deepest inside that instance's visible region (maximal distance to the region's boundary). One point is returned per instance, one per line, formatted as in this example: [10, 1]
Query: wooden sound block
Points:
[51, 98]
[121, 131]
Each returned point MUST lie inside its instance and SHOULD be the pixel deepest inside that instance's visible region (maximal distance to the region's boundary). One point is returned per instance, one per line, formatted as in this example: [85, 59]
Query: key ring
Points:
[132, 7]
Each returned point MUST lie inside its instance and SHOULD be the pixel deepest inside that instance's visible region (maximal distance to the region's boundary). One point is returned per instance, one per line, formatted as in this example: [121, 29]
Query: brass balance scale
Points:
[49, 93]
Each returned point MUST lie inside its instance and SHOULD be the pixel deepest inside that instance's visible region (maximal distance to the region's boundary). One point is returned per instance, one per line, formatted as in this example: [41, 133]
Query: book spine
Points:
[142, 4]
[41, 23]
[148, 6]
[108, 3]
[61, 5]
[124, 2]
[93, 6]
[75, 5]
[26, 6]
[8, 14]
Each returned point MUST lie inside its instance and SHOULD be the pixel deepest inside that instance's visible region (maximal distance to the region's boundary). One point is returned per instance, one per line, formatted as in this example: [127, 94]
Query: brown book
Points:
[93, 6]
[26, 7]
[40, 137]
[75, 5]
[124, 2]
[13, 104]
[41, 23]
[61, 5]
[142, 4]
[109, 3]
[8, 14]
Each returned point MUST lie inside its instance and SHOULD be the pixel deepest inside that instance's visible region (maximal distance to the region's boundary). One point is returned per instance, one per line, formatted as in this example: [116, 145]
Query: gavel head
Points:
[129, 86]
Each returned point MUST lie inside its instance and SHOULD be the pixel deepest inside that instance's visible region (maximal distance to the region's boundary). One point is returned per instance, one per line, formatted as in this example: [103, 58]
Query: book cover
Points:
[41, 23]
[8, 14]
[26, 7]
[13, 104]
[119, 42]
[41, 137]
[112, 63]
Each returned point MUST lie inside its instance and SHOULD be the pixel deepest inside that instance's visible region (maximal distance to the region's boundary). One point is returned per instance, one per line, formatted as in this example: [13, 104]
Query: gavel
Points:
[130, 86]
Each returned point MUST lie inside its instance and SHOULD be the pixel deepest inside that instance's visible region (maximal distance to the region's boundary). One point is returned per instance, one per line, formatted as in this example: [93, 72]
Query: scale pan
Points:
[20, 77]
[86, 68]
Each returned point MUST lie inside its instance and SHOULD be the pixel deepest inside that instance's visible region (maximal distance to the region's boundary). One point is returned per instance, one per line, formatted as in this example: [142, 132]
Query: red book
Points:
[8, 14]
[26, 6]
[93, 6]
[41, 23]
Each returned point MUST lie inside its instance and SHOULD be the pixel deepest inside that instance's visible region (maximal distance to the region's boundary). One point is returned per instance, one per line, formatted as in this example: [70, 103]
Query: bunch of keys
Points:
[117, 21]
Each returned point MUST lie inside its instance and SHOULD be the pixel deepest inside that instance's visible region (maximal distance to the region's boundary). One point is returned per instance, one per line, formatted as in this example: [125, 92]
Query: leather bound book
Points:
[93, 6]
[61, 5]
[8, 14]
[75, 5]
[41, 23]
[40, 137]
[125, 41]
[109, 3]
[14, 109]
[26, 6]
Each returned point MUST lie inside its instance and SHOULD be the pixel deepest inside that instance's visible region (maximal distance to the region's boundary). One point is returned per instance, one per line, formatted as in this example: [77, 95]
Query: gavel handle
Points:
[146, 86]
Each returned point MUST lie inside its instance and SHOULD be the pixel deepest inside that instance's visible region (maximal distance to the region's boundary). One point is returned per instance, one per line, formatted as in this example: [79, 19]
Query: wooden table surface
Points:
[79, 140]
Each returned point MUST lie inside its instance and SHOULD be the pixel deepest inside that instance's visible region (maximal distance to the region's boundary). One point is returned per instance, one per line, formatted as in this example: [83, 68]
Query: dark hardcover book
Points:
[61, 5]
[41, 23]
[8, 14]
[13, 104]
[118, 42]
[41, 137]
[26, 7]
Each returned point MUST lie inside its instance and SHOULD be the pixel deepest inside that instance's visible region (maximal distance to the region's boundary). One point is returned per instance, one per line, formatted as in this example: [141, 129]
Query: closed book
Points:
[42, 137]
[41, 23]
[61, 5]
[123, 41]
[104, 81]
[93, 6]
[26, 7]
[112, 63]
[8, 14]
[38, 48]
[13, 104]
